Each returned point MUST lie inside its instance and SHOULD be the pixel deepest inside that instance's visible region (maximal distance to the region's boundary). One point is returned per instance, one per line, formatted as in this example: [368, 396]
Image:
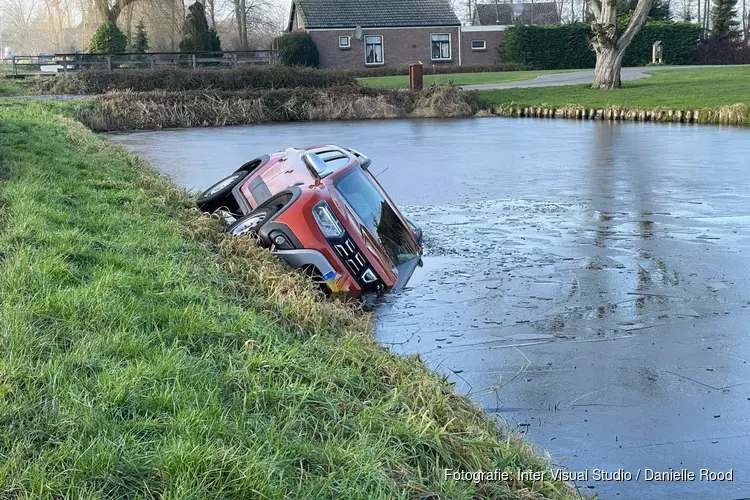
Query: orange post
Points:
[415, 76]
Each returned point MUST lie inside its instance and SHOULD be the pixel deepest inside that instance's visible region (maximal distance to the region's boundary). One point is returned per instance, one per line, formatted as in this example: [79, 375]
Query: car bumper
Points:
[300, 258]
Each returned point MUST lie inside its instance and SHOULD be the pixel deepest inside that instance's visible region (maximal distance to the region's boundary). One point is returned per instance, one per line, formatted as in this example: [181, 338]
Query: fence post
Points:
[194, 63]
[15, 70]
[151, 62]
[234, 60]
[109, 63]
[65, 64]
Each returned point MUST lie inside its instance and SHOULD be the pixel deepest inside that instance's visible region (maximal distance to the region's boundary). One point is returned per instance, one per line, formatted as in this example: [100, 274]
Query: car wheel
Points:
[219, 195]
[252, 222]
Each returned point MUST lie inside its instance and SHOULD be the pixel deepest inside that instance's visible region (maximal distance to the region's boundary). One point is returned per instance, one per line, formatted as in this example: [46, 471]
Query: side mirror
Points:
[314, 164]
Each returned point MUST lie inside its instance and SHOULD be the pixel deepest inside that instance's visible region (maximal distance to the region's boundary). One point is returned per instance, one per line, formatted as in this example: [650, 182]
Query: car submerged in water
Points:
[322, 211]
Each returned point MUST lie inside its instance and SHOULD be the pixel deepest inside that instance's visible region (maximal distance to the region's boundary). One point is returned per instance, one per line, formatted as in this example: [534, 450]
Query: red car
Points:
[321, 210]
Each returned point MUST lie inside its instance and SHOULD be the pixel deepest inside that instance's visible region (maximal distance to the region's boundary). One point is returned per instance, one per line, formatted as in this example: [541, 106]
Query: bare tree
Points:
[19, 18]
[608, 44]
[111, 10]
[250, 20]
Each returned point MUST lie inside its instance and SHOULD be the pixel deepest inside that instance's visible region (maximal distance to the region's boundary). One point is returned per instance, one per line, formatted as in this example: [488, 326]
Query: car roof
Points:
[328, 159]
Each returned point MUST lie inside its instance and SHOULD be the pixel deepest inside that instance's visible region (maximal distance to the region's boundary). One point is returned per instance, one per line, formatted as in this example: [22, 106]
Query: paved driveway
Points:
[577, 78]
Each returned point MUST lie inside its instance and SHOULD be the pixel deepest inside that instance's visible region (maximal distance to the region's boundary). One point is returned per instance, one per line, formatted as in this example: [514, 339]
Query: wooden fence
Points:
[63, 63]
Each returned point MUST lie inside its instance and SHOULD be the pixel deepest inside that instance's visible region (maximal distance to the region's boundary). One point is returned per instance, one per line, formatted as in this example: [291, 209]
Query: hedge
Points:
[179, 79]
[680, 43]
[567, 46]
[430, 69]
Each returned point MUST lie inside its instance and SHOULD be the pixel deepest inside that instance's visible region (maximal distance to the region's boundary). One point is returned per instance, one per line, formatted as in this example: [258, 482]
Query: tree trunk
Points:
[238, 20]
[706, 19]
[608, 69]
[245, 41]
[610, 47]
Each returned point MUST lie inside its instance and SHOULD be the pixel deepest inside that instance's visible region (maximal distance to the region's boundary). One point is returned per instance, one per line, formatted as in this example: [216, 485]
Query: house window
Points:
[479, 45]
[441, 46]
[374, 49]
[344, 42]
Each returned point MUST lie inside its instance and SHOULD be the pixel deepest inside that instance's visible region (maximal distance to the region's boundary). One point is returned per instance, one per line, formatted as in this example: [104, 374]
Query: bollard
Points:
[416, 76]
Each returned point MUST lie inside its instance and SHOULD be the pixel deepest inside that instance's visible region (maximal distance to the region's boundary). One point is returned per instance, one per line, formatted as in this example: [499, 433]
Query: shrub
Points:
[680, 43]
[197, 36]
[567, 46]
[139, 42]
[718, 51]
[178, 79]
[298, 49]
[548, 47]
[433, 70]
[108, 39]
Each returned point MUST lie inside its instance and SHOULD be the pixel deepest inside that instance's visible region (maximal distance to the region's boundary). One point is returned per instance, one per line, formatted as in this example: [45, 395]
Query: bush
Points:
[718, 51]
[298, 49]
[680, 43]
[108, 39]
[197, 36]
[178, 79]
[548, 47]
[139, 42]
[433, 70]
[567, 46]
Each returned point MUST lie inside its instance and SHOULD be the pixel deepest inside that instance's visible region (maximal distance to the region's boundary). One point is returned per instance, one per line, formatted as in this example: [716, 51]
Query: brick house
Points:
[374, 33]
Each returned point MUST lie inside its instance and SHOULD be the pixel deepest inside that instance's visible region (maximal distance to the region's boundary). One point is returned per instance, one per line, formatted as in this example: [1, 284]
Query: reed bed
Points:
[154, 110]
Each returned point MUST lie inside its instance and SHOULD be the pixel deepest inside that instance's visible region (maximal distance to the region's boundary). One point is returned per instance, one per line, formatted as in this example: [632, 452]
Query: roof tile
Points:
[376, 13]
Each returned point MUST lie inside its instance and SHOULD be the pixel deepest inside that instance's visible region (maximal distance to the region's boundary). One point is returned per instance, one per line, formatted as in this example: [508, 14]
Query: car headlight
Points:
[327, 220]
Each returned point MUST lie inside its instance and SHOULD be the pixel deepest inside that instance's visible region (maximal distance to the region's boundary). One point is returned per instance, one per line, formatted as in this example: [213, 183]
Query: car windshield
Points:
[377, 215]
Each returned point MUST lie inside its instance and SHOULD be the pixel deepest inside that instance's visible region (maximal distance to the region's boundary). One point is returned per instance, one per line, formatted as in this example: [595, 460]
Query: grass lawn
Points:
[675, 89]
[10, 87]
[456, 78]
[145, 354]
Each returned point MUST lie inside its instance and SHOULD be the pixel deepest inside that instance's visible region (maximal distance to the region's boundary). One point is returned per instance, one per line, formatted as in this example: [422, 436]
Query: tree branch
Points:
[639, 17]
[596, 8]
[117, 8]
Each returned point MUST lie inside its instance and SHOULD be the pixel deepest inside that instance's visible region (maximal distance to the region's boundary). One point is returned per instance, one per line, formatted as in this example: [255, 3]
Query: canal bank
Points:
[145, 353]
[586, 281]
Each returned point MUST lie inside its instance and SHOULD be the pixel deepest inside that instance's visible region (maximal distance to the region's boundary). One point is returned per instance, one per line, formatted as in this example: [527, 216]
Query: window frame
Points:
[479, 49]
[348, 42]
[382, 50]
[450, 47]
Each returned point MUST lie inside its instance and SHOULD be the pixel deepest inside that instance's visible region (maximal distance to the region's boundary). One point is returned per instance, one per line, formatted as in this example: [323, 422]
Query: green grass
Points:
[457, 78]
[11, 87]
[145, 354]
[686, 89]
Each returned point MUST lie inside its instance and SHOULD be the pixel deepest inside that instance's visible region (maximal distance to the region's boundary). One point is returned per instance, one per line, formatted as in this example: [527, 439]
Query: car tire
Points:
[219, 195]
[252, 222]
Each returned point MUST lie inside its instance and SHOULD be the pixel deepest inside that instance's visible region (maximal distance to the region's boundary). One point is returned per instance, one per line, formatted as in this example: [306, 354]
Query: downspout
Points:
[460, 36]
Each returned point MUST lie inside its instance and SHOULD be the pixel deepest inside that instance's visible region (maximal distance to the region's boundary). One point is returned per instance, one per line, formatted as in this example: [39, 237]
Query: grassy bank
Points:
[145, 354]
[12, 87]
[152, 110]
[456, 78]
[685, 89]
